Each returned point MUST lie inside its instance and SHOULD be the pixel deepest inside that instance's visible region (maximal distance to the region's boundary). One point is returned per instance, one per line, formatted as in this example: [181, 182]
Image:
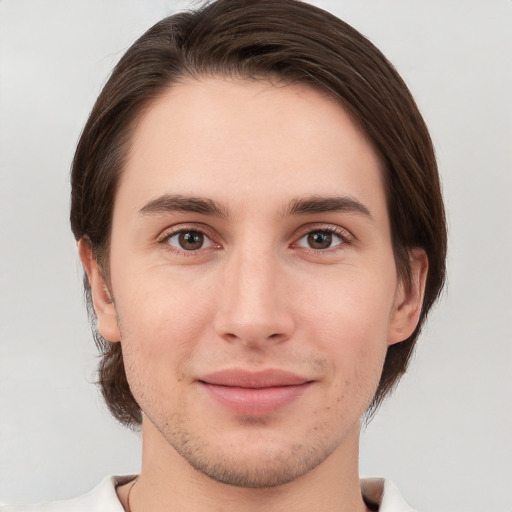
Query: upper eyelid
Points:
[173, 230]
[332, 228]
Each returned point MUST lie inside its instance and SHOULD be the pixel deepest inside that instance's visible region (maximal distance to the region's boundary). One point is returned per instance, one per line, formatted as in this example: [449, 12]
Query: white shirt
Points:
[103, 498]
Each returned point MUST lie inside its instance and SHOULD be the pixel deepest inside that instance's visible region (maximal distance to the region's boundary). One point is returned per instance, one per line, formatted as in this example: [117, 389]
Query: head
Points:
[277, 44]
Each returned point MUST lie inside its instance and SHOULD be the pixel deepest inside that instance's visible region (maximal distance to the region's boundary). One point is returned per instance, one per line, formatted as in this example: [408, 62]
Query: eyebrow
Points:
[301, 206]
[179, 203]
[322, 204]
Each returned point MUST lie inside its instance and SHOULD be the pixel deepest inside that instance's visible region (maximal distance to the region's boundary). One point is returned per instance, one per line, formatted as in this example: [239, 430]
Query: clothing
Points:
[104, 498]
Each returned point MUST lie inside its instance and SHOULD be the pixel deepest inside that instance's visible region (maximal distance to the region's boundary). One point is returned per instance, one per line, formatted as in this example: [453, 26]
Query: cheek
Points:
[350, 324]
[160, 332]
[160, 320]
[355, 307]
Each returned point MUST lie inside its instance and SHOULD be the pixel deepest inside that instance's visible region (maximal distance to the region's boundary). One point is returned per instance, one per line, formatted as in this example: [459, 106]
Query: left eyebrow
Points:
[323, 204]
[180, 203]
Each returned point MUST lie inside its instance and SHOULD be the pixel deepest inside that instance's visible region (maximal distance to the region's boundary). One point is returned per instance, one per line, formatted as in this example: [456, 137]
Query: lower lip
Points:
[255, 401]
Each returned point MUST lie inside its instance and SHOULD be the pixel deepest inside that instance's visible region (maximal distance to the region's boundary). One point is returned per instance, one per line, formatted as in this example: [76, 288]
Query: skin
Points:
[253, 295]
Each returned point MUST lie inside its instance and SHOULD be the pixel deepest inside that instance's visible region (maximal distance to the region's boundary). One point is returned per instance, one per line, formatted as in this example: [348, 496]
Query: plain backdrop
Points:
[445, 437]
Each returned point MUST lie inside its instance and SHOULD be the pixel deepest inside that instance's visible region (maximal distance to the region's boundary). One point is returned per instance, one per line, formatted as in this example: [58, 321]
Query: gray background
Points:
[444, 437]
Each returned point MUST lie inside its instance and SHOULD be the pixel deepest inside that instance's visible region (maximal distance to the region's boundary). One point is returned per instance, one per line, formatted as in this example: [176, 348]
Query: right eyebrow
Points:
[324, 204]
[179, 203]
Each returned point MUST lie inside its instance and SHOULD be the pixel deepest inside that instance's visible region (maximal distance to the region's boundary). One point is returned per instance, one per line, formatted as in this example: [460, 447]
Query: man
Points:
[257, 209]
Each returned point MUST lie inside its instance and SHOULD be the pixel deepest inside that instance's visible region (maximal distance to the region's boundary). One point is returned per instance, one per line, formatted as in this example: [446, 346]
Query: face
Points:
[252, 279]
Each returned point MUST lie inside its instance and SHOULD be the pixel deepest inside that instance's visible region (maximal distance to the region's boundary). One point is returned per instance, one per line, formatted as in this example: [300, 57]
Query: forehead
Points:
[245, 140]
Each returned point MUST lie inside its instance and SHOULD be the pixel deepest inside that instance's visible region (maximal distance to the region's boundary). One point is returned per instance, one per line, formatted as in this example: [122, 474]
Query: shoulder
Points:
[102, 498]
[384, 494]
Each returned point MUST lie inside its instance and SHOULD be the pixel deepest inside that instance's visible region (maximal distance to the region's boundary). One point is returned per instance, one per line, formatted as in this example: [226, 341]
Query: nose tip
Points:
[252, 334]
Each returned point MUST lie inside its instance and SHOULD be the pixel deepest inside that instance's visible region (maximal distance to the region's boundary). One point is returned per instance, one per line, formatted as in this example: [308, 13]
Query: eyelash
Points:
[346, 239]
[165, 238]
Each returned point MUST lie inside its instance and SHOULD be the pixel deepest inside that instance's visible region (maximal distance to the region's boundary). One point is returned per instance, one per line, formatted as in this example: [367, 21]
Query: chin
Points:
[255, 472]
[250, 461]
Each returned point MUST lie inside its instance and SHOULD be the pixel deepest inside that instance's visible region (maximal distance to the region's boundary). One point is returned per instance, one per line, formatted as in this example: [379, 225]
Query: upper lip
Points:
[235, 377]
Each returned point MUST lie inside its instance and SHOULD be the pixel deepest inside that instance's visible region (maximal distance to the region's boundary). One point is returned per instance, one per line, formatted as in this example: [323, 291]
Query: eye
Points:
[320, 240]
[189, 240]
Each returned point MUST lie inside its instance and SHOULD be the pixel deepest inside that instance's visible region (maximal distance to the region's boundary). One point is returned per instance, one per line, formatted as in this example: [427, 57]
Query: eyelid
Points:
[180, 228]
[344, 234]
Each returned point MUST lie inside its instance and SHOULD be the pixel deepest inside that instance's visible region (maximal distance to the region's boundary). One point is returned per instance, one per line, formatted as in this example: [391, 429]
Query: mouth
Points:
[254, 393]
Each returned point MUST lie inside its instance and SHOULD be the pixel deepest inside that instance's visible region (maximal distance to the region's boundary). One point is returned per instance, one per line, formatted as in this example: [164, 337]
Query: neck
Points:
[167, 479]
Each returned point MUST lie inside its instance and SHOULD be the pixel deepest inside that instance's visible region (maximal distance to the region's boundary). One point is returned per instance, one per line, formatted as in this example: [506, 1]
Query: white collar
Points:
[103, 498]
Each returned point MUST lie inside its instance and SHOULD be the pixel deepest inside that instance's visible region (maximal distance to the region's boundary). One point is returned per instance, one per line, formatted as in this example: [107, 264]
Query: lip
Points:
[254, 393]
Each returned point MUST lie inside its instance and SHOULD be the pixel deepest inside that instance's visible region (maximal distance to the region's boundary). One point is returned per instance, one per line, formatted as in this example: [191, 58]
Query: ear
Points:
[101, 297]
[409, 299]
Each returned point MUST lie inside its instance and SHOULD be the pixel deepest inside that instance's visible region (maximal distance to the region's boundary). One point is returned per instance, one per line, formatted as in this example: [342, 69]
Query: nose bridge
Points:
[252, 308]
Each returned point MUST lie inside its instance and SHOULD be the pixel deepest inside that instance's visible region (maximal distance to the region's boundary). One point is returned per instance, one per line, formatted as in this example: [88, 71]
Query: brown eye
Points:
[319, 240]
[189, 240]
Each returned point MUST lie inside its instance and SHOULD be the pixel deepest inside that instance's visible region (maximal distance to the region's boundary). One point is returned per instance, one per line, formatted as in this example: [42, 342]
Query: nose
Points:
[254, 306]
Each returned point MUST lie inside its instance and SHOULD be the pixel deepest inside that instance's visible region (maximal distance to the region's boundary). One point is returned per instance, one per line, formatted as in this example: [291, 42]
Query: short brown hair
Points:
[284, 40]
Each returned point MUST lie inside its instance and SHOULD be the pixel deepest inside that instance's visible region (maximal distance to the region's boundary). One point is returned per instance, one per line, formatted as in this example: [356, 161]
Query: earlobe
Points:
[103, 304]
[409, 299]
